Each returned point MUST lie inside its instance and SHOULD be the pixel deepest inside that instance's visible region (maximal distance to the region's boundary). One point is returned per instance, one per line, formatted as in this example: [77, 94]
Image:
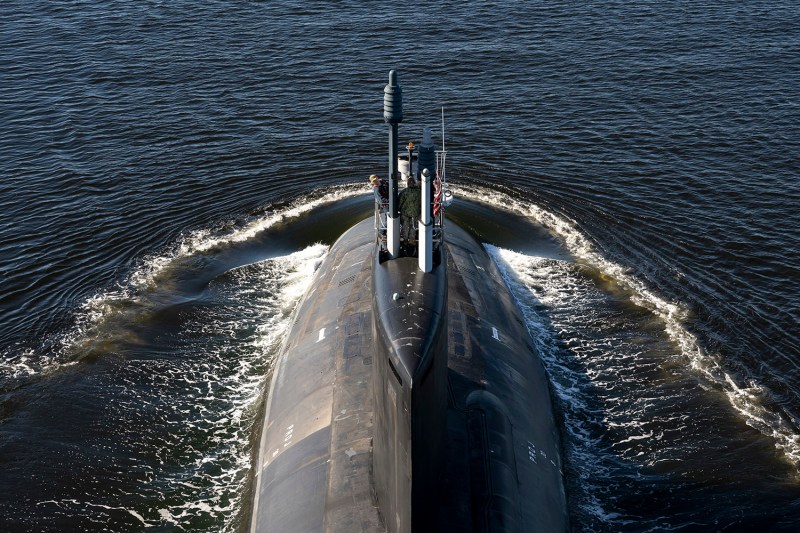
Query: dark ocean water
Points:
[167, 170]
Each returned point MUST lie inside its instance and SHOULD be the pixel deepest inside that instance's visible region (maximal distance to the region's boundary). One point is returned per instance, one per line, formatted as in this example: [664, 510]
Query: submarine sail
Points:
[407, 395]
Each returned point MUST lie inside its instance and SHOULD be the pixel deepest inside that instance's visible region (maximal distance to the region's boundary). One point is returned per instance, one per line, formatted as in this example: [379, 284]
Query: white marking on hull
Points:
[531, 452]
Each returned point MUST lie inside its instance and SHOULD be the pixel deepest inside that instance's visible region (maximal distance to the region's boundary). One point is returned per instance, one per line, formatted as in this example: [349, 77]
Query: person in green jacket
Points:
[410, 199]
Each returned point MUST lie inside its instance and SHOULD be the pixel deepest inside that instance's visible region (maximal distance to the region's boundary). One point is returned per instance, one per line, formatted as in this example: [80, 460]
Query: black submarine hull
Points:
[482, 451]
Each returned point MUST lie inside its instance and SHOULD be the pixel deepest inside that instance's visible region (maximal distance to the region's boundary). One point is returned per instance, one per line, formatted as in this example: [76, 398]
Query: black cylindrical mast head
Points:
[393, 115]
[393, 100]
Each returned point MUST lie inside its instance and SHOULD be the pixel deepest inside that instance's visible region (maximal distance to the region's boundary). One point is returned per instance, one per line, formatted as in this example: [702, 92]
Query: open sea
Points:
[172, 172]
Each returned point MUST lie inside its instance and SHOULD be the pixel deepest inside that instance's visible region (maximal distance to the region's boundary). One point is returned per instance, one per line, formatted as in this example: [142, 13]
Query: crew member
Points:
[410, 200]
[380, 189]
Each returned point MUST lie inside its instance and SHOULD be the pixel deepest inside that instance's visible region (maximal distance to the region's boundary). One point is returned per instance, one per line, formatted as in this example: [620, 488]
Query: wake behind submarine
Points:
[407, 395]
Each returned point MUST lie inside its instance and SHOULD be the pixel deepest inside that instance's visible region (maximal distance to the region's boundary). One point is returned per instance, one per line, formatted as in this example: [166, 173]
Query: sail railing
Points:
[381, 210]
[439, 195]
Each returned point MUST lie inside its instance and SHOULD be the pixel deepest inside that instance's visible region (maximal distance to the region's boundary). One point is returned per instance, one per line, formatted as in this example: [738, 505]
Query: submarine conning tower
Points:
[409, 358]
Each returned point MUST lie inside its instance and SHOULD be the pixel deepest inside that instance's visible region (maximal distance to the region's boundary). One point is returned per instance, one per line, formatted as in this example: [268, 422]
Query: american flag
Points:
[437, 195]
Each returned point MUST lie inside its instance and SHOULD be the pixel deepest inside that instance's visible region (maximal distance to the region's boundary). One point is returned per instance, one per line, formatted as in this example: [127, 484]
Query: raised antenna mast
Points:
[443, 147]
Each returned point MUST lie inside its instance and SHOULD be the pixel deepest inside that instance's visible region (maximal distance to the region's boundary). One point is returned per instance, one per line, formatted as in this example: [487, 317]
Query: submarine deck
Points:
[503, 461]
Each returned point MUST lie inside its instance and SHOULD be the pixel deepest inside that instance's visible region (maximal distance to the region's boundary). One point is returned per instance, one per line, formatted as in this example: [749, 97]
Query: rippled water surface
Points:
[173, 172]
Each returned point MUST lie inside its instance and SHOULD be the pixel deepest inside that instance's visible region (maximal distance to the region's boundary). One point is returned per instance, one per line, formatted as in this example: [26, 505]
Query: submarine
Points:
[407, 395]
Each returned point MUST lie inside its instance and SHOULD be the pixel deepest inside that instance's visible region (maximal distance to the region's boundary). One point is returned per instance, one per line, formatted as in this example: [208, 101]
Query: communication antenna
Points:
[444, 153]
[443, 147]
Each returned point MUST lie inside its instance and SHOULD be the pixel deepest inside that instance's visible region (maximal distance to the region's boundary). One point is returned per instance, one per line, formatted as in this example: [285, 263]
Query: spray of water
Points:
[746, 400]
[99, 322]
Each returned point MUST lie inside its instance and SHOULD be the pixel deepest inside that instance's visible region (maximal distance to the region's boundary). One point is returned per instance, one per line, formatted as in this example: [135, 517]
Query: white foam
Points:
[221, 387]
[77, 504]
[270, 290]
[131, 298]
[744, 399]
[204, 240]
[146, 276]
[536, 284]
